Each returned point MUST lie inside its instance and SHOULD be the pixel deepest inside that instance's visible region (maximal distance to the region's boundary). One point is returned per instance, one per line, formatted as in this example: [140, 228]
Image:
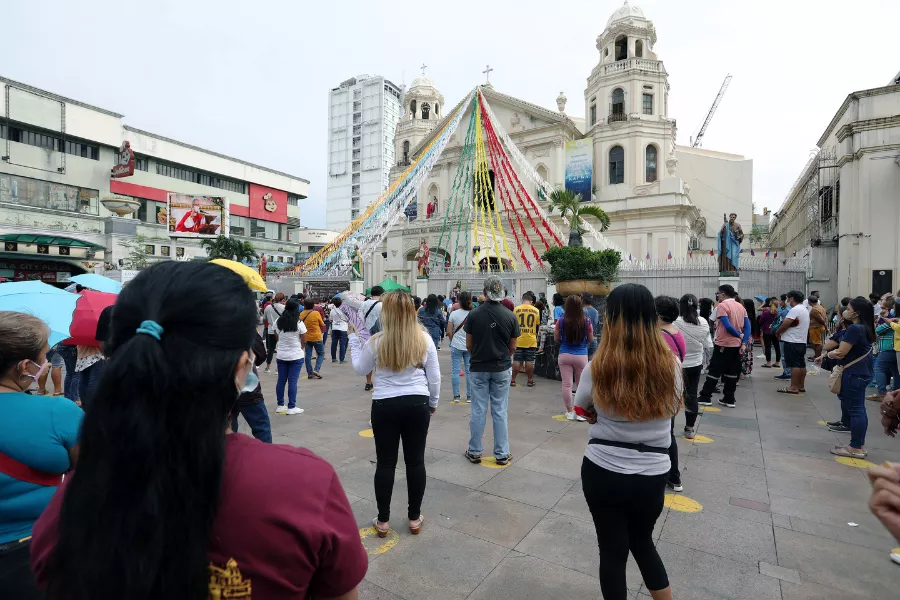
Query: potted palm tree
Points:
[573, 268]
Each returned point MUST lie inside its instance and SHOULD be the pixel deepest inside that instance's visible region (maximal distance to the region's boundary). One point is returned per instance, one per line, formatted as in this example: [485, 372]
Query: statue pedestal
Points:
[420, 288]
[358, 287]
[732, 281]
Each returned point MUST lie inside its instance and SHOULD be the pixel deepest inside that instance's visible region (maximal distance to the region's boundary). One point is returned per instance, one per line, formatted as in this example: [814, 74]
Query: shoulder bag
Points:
[834, 380]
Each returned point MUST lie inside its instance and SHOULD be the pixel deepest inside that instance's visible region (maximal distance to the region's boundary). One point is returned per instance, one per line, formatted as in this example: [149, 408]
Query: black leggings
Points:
[691, 382]
[770, 340]
[625, 509]
[405, 417]
[271, 342]
[15, 572]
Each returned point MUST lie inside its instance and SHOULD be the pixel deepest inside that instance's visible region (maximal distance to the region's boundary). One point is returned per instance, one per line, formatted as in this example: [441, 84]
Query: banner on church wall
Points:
[580, 167]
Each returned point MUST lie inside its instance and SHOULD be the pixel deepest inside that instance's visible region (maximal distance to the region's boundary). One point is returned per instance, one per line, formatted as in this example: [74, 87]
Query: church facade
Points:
[661, 198]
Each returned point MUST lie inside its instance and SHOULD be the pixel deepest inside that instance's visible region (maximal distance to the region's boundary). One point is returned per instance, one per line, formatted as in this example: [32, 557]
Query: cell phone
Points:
[584, 413]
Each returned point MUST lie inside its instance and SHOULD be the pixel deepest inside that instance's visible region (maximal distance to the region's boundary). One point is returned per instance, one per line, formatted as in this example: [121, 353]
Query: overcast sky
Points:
[251, 79]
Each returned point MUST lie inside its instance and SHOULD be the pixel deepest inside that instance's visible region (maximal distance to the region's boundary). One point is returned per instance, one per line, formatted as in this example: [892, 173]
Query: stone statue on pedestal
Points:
[729, 242]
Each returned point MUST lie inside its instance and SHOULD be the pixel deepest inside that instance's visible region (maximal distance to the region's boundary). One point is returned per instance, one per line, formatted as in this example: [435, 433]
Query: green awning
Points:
[51, 240]
[389, 285]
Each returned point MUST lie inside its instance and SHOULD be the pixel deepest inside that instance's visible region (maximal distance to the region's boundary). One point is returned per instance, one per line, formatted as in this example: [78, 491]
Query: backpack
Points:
[376, 327]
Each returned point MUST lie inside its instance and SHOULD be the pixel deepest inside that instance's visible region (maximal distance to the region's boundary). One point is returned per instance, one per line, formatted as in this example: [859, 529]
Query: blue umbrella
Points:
[98, 283]
[51, 305]
[761, 298]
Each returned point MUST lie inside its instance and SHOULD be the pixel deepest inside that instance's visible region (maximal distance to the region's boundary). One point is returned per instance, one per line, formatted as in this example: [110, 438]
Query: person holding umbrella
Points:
[38, 443]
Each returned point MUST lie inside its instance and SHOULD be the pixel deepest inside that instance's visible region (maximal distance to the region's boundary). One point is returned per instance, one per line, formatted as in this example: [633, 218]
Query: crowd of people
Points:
[140, 499]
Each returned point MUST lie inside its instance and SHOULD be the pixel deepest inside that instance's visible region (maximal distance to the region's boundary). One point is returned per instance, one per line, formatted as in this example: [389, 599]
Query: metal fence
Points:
[758, 276]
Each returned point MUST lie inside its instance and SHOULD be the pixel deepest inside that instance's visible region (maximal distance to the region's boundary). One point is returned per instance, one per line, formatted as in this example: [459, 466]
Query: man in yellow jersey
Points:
[529, 319]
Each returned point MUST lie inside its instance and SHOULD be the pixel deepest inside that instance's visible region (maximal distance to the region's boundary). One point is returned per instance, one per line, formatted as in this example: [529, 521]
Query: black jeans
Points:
[625, 509]
[16, 580]
[770, 340]
[691, 383]
[393, 419]
[674, 473]
[271, 342]
[725, 363]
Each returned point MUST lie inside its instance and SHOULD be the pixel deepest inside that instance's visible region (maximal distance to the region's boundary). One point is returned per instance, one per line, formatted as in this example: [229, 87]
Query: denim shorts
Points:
[525, 355]
[56, 359]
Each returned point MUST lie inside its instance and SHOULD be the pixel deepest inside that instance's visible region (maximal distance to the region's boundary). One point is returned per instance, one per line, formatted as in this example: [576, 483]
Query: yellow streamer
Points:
[481, 161]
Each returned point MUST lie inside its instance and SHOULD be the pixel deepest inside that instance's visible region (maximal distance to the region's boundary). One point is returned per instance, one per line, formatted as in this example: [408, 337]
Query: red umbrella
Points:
[86, 315]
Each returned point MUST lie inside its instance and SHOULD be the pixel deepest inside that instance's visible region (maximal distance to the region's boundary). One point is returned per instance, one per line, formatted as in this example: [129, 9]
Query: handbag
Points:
[834, 380]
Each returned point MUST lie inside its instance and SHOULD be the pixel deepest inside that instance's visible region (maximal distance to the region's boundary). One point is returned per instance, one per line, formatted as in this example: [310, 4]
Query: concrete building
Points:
[363, 113]
[844, 209]
[55, 179]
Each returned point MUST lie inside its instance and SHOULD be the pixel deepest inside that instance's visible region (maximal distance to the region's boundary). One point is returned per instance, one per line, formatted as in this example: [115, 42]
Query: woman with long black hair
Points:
[164, 503]
[854, 354]
[626, 463]
[697, 341]
[431, 316]
[573, 333]
[706, 314]
[291, 335]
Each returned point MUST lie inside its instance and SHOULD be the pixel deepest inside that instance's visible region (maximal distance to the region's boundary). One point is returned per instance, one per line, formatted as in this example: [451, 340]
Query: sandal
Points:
[787, 391]
[531, 384]
[416, 526]
[512, 384]
[843, 451]
[382, 531]
[370, 387]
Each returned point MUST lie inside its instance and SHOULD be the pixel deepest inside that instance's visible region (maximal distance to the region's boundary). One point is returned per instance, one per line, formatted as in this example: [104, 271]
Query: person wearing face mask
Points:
[38, 443]
[166, 502]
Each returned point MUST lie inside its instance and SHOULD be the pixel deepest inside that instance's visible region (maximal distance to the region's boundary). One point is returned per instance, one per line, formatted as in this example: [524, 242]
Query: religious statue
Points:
[432, 208]
[422, 257]
[729, 239]
[357, 265]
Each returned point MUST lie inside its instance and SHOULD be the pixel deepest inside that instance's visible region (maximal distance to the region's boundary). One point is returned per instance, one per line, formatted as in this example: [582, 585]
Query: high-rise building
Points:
[363, 113]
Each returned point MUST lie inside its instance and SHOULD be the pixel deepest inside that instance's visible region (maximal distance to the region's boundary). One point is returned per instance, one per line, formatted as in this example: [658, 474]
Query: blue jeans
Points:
[325, 332]
[885, 369]
[288, 372]
[493, 389]
[592, 347]
[339, 338]
[785, 371]
[70, 386]
[87, 382]
[320, 356]
[457, 359]
[435, 335]
[853, 407]
[257, 417]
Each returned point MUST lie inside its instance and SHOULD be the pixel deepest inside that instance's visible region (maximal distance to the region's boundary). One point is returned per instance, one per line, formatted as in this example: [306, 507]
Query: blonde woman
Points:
[633, 391]
[407, 386]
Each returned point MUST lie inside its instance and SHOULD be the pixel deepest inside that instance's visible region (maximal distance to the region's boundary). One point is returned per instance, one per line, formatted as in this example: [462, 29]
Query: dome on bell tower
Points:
[423, 100]
[625, 11]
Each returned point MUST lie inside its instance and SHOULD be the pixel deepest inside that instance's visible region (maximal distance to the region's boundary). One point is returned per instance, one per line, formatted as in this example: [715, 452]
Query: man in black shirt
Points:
[491, 334]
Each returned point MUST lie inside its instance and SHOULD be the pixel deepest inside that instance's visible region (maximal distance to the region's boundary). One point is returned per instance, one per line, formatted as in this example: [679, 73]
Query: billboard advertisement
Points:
[197, 216]
[580, 167]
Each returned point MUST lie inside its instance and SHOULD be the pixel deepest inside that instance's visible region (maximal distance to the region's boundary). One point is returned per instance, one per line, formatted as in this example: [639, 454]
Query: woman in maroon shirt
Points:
[164, 503]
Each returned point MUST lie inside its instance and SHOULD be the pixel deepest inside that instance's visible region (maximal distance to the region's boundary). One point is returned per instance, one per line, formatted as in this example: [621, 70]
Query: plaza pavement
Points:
[767, 513]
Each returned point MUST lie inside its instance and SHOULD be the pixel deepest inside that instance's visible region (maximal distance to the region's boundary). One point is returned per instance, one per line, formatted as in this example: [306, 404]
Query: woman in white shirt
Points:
[291, 334]
[459, 354]
[407, 388]
[338, 331]
[697, 341]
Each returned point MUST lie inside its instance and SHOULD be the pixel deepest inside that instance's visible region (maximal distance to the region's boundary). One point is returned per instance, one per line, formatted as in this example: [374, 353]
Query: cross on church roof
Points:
[423, 67]
[487, 72]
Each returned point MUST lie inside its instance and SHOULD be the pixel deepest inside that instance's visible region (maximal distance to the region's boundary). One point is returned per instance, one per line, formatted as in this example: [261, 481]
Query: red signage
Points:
[125, 164]
[268, 204]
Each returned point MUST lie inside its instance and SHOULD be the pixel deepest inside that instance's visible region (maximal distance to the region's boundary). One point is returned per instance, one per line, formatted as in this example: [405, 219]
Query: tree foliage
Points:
[574, 210]
[228, 248]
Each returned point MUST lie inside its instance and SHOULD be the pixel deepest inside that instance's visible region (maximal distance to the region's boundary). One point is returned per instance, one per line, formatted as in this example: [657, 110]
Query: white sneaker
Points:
[580, 418]
[294, 411]
[895, 556]
[570, 416]
[282, 409]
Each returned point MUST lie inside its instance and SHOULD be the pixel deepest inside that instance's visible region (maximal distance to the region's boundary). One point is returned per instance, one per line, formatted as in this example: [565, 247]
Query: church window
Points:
[616, 165]
[648, 104]
[426, 110]
[437, 112]
[651, 164]
[593, 112]
[412, 109]
[639, 49]
[621, 47]
[542, 173]
[618, 102]
[406, 152]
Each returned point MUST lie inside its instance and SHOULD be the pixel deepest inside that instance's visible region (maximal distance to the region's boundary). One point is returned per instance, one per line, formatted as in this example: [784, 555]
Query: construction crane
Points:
[695, 142]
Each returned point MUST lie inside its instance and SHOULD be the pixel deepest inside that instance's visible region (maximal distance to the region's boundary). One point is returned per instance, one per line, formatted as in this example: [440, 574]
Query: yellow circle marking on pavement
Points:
[710, 409]
[366, 433]
[895, 551]
[491, 463]
[821, 423]
[458, 402]
[560, 418]
[701, 439]
[682, 503]
[854, 462]
[375, 545]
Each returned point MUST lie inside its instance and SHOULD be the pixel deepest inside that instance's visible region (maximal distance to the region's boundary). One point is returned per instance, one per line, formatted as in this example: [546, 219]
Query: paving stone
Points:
[811, 591]
[721, 535]
[457, 469]
[836, 493]
[548, 462]
[779, 572]
[730, 450]
[437, 564]
[822, 467]
[715, 496]
[731, 422]
[370, 591]
[529, 578]
[710, 469]
[781, 521]
[527, 486]
[840, 565]
[844, 533]
[716, 431]
[826, 514]
[573, 504]
[752, 505]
